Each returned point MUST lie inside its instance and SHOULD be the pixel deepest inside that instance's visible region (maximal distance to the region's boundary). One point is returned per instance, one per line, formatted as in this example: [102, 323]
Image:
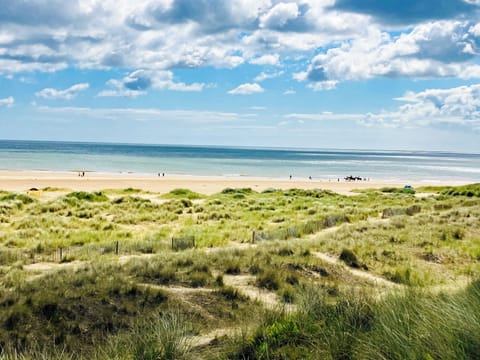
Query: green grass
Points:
[183, 194]
[408, 325]
[102, 305]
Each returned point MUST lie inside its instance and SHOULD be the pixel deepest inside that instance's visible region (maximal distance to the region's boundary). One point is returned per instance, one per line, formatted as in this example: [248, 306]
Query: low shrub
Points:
[349, 258]
[268, 280]
[183, 193]
[285, 252]
[231, 294]
[232, 269]
[87, 196]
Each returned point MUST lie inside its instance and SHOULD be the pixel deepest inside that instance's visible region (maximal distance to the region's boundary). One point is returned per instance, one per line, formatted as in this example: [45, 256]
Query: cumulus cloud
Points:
[138, 82]
[53, 12]
[280, 15]
[409, 11]
[455, 106]
[213, 15]
[247, 89]
[460, 105]
[269, 59]
[8, 102]
[439, 49]
[67, 94]
[164, 34]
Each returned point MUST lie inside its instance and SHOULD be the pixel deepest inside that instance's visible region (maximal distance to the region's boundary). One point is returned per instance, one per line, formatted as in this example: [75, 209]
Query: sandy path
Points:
[206, 339]
[178, 289]
[375, 279]
[48, 266]
[243, 283]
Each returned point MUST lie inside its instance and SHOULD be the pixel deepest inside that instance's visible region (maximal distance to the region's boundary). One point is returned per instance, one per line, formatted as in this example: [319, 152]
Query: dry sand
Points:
[25, 180]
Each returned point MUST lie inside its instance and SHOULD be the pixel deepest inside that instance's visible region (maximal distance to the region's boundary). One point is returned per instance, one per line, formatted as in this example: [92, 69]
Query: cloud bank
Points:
[455, 106]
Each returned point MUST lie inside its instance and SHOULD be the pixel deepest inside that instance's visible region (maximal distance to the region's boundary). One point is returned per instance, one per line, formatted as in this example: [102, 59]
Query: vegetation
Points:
[406, 325]
[304, 274]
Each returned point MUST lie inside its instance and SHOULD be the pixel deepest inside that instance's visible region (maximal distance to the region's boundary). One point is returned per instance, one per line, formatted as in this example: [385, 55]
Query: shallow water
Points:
[228, 161]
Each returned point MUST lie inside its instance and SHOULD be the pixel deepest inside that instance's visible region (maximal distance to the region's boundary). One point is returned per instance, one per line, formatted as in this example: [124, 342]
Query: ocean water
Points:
[229, 161]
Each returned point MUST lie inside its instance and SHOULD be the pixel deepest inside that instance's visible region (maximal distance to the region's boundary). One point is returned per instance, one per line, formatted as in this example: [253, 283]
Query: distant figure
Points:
[163, 174]
[309, 178]
[83, 173]
[290, 177]
[338, 179]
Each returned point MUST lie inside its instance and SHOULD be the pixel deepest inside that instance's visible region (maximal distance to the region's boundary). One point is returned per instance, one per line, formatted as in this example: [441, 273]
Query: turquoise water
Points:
[223, 161]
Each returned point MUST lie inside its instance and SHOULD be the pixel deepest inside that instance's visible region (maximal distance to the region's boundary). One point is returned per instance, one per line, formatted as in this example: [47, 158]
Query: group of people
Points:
[355, 178]
[347, 178]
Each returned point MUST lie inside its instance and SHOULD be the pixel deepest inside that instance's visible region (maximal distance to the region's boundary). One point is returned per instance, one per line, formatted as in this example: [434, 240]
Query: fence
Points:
[151, 246]
[68, 253]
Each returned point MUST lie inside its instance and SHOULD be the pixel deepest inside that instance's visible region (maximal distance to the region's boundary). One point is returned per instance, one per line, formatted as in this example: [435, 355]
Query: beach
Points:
[21, 181]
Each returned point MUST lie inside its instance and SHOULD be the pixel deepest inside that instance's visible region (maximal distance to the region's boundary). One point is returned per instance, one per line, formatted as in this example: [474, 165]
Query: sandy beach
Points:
[25, 180]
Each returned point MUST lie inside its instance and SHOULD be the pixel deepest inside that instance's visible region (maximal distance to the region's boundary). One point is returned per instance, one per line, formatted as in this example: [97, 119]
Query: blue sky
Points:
[366, 74]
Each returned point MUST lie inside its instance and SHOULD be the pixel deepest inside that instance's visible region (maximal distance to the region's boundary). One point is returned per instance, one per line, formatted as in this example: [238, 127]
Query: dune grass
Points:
[97, 304]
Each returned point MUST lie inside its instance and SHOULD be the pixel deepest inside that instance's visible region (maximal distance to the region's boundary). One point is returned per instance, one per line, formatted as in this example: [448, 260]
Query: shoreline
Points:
[23, 180]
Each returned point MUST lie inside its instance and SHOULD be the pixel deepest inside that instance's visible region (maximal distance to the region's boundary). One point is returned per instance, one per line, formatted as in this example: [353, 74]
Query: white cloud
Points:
[279, 15]
[264, 76]
[118, 89]
[269, 59]
[323, 85]
[300, 76]
[289, 92]
[138, 82]
[165, 34]
[161, 35]
[247, 89]
[8, 102]
[455, 106]
[460, 105]
[67, 94]
[439, 49]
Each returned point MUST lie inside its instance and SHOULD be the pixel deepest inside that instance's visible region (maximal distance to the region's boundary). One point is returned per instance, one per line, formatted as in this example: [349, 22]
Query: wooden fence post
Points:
[116, 247]
[60, 254]
[253, 237]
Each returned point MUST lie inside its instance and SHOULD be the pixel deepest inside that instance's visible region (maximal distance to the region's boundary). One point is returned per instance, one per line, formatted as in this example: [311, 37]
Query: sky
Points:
[345, 74]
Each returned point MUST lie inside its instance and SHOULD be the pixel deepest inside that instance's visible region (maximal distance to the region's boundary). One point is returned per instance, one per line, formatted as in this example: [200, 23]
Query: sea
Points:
[319, 164]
